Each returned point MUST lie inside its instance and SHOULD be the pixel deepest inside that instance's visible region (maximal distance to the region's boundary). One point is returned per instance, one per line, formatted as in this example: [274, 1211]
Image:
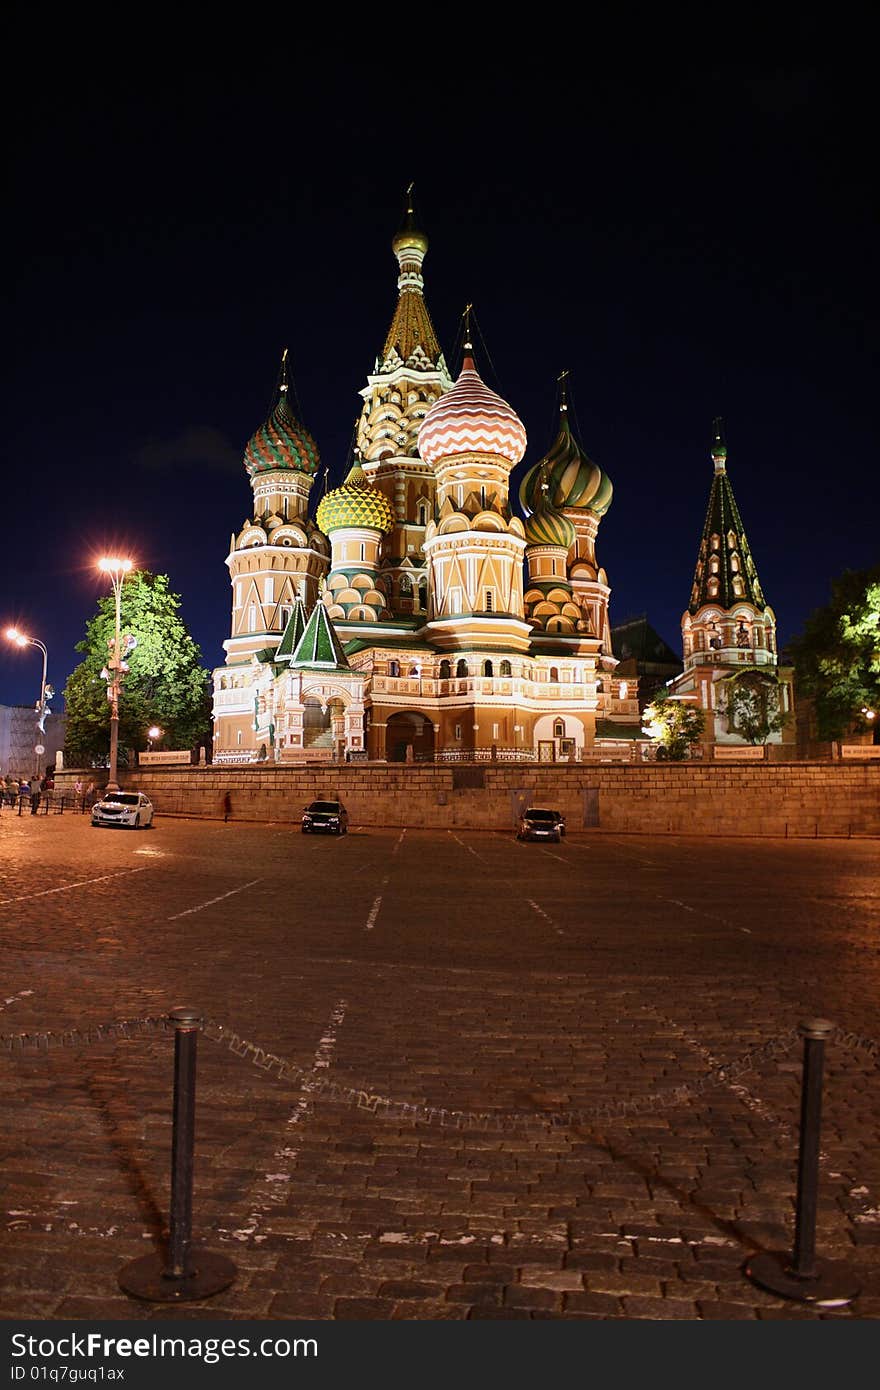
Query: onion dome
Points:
[573, 479]
[719, 448]
[282, 442]
[471, 419]
[356, 503]
[547, 526]
[409, 236]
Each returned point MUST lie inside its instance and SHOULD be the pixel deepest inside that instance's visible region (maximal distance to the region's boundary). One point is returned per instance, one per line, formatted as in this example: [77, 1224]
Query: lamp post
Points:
[153, 732]
[117, 569]
[22, 640]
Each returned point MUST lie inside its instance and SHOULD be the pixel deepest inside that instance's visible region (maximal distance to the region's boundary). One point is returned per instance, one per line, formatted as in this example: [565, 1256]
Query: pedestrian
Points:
[89, 798]
[78, 794]
[11, 789]
[227, 806]
[35, 791]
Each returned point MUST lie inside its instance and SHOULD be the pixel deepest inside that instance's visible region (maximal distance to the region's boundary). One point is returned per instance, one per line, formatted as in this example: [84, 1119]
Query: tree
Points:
[165, 683]
[674, 725]
[837, 657]
[753, 704]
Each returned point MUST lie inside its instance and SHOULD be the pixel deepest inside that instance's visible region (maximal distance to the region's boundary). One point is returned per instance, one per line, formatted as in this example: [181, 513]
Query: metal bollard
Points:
[186, 1273]
[802, 1275]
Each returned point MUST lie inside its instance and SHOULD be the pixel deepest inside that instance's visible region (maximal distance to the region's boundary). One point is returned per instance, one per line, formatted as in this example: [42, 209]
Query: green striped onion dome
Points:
[282, 442]
[356, 503]
[546, 526]
[573, 479]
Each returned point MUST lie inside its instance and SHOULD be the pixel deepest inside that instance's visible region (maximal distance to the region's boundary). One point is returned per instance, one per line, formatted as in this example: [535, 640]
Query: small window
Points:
[394, 668]
[505, 668]
[554, 674]
[461, 668]
[624, 690]
[489, 604]
[458, 731]
[487, 669]
[495, 735]
[445, 670]
[559, 728]
[423, 513]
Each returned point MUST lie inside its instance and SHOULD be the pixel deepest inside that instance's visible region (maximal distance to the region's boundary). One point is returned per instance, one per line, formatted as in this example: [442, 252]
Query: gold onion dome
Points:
[282, 442]
[547, 526]
[409, 236]
[355, 503]
[471, 419]
[573, 479]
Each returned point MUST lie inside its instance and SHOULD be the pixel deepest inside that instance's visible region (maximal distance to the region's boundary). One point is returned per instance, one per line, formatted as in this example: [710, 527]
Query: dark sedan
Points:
[540, 823]
[325, 818]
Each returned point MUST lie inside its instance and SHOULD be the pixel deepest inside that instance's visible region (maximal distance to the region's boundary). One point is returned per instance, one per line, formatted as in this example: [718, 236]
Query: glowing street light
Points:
[117, 567]
[22, 640]
[153, 732]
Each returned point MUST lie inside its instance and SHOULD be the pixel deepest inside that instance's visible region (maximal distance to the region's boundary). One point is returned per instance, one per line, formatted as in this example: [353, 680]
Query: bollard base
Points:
[833, 1287]
[146, 1278]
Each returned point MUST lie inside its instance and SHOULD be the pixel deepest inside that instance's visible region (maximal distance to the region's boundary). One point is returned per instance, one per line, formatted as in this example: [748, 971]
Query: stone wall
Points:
[684, 799]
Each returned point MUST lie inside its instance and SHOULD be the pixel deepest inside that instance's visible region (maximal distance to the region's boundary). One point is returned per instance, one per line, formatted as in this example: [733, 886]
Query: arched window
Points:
[461, 668]
[554, 674]
[423, 513]
[624, 690]
[489, 605]
[415, 671]
[559, 728]
[394, 668]
[445, 670]
[505, 668]
[405, 586]
[252, 618]
[487, 669]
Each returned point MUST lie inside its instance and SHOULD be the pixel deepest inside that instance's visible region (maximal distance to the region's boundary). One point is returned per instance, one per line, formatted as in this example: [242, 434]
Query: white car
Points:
[123, 808]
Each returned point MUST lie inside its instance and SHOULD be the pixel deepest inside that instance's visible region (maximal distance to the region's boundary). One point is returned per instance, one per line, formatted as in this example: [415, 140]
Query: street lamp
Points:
[152, 733]
[22, 640]
[117, 568]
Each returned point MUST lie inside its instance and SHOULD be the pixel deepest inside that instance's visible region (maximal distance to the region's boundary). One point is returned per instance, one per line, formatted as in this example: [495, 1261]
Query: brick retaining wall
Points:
[771, 799]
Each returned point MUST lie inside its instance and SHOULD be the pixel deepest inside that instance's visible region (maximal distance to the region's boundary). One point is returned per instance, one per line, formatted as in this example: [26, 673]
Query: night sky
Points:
[686, 243]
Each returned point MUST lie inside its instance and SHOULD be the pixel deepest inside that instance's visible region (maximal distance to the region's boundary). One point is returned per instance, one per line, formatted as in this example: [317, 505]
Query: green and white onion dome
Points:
[573, 479]
[547, 526]
[281, 443]
[355, 503]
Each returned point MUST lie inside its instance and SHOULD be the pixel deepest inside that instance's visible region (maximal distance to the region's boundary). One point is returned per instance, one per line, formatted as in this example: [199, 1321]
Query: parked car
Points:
[325, 817]
[540, 823]
[131, 809]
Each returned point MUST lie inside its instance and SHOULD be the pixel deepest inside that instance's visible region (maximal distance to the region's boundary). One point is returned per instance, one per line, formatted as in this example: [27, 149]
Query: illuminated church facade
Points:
[413, 613]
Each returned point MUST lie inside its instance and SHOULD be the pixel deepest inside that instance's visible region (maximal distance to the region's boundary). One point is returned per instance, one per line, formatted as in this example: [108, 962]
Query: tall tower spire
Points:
[408, 377]
[725, 573]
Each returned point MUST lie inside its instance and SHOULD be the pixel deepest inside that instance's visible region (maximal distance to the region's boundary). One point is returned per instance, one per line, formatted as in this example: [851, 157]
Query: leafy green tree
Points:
[837, 657]
[165, 683]
[753, 704]
[674, 724]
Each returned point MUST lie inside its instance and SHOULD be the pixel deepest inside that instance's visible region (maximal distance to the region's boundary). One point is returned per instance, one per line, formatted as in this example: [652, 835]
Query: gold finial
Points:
[467, 327]
[282, 373]
[409, 193]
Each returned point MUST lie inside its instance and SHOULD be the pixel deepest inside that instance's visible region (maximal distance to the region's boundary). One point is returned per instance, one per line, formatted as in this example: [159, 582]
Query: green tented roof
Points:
[296, 626]
[319, 646]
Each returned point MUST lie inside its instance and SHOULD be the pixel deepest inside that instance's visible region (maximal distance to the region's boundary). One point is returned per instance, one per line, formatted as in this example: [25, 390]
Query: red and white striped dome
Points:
[471, 419]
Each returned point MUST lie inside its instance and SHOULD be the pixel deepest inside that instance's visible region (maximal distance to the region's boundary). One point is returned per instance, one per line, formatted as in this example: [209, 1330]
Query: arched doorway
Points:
[405, 731]
[317, 724]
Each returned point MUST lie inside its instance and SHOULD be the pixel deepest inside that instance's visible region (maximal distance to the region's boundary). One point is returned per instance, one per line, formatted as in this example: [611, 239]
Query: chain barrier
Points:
[387, 1106]
[362, 1098]
[78, 1037]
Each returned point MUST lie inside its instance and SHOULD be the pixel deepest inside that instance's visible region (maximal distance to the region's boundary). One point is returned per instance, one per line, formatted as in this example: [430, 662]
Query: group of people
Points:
[33, 789]
[14, 789]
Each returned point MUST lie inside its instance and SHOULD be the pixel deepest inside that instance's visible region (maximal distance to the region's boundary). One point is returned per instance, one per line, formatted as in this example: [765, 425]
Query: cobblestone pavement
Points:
[460, 971]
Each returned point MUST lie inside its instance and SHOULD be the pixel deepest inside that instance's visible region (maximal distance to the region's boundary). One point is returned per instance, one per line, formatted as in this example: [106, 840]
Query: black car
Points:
[325, 817]
[540, 823]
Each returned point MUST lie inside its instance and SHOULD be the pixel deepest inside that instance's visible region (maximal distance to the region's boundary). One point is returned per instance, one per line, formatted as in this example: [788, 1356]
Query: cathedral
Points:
[414, 614]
